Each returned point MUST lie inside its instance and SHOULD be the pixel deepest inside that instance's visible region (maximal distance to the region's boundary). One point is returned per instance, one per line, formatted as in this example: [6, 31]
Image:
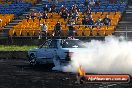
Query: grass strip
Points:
[15, 48]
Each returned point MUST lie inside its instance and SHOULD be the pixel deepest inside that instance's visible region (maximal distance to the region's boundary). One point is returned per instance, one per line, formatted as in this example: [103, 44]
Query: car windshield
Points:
[72, 44]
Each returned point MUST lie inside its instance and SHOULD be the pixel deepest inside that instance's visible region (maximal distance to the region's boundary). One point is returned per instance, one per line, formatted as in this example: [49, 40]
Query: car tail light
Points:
[68, 56]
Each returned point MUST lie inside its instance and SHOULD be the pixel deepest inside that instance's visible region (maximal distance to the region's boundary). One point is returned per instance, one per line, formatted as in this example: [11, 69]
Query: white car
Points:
[61, 49]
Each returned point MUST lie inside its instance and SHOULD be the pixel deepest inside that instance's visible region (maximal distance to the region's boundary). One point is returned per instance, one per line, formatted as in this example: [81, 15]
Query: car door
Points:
[46, 53]
[51, 51]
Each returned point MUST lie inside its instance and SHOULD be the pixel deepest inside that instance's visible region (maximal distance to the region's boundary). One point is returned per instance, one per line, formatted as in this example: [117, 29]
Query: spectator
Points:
[66, 10]
[75, 15]
[86, 3]
[71, 21]
[28, 16]
[87, 12]
[45, 15]
[53, 8]
[64, 15]
[98, 22]
[44, 28]
[91, 3]
[57, 29]
[71, 31]
[84, 22]
[112, 1]
[74, 8]
[33, 14]
[90, 21]
[97, 3]
[62, 8]
[106, 21]
[122, 1]
[40, 16]
[55, 1]
[45, 8]
[88, 8]
[70, 14]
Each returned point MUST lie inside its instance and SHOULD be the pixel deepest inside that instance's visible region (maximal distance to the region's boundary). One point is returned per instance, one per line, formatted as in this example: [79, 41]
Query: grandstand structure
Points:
[14, 24]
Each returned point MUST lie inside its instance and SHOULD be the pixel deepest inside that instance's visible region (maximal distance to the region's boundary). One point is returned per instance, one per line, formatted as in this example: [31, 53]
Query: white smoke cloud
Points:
[113, 56]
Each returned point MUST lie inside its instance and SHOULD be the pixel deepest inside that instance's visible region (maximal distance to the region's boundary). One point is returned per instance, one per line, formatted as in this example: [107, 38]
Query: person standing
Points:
[44, 29]
[57, 29]
[40, 16]
[45, 8]
[106, 21]
[71, 30]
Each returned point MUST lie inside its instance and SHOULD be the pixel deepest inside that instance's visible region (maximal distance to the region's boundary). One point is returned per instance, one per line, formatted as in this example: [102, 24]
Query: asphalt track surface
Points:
[19, 74]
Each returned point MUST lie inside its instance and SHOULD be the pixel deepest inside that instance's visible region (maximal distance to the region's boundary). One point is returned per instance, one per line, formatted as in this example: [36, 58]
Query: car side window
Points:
[53, 44]
[45, 45]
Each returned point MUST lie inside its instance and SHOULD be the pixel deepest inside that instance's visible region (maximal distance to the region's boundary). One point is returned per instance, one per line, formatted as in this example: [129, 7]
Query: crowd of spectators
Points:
[71, 16]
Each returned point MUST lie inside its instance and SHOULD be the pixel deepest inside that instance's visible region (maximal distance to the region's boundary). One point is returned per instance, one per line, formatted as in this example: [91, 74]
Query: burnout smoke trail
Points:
[110, 56]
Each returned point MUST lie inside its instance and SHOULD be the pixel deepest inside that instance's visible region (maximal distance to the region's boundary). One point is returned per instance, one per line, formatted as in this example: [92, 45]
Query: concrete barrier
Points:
[13, 55]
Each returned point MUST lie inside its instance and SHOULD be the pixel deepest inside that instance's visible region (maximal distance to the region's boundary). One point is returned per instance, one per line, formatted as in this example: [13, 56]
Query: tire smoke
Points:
[112, 56]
